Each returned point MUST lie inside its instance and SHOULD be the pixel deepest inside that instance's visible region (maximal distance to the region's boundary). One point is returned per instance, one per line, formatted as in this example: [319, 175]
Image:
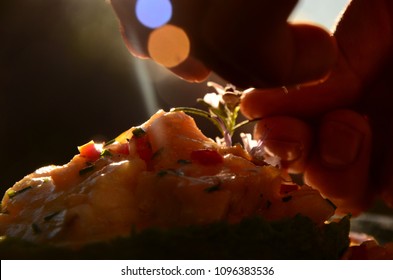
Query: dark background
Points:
[62, 81]
[66, 77]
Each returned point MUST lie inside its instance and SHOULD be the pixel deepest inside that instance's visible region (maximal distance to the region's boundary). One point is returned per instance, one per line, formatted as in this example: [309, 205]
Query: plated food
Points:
[165, 190]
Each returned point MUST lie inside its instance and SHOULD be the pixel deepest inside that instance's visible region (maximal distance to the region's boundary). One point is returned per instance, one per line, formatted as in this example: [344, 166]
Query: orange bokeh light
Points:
[169, 45]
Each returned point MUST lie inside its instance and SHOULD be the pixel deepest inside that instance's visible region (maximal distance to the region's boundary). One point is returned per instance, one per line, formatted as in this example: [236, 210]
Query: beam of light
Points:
[153, 13]
[145, 84]
[169, 45]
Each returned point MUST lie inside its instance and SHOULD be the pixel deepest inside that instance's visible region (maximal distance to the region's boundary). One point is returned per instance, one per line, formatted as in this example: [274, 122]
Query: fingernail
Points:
[285, 150]
[340, 144]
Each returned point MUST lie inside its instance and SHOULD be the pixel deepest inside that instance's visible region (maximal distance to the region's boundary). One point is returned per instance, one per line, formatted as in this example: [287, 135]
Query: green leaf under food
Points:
[254, 238]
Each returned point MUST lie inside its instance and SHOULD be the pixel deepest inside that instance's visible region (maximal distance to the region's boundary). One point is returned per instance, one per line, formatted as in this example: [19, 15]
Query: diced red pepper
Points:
[206, 157]
[123, 149]
[90, 151]
[287, 188]
[143, 148]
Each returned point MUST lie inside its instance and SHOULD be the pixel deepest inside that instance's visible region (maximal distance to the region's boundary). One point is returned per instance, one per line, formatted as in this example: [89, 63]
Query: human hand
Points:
[319, 130]
[249, 43]
[339, 133]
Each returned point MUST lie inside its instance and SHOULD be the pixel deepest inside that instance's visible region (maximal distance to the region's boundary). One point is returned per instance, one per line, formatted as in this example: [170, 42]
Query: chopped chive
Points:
[212, 188]
[268, 204]
[286, 198]
[184, 161]
[13, 193]
[162, 173]
[87, 169]
[50, 216]
[110, 142]
[36, 228]
[138, 132]
[106, 153]
[157, 153]
[174, 172]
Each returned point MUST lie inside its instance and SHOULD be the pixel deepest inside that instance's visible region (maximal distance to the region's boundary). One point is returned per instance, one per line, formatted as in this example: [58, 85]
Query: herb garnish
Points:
[223, 110]
[13, 193]
[157, 153]
[162, 173]
[110, 142]
[106, 153]
[212, 188]
[36, 228]
[268, 204]
[90, 167]
[50, 216]
[139, 132]
[183, 161]
[174, 172]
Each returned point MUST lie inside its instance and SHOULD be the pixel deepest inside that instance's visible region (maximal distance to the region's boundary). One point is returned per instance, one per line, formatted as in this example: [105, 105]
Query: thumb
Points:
[339, 165]
[251, 44]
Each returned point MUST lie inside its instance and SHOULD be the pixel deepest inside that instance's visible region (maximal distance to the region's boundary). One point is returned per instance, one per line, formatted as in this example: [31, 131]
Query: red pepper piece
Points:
[287, 188]
[123, 149]
[143, 148]
[206, 157]
[90, 151]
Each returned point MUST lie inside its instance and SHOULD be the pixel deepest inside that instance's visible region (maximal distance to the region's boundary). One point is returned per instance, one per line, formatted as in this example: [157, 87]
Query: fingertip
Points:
[191, 70]
[339, 165]
[287, 138]
[134, 34]
[306, 101]
[258, 103]
[315, 53]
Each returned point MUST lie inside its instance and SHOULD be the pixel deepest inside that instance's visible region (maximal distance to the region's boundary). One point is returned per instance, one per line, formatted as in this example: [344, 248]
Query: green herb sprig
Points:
[222, 110]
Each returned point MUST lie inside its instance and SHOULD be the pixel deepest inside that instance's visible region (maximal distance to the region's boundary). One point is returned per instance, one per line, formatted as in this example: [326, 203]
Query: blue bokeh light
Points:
[153, 13]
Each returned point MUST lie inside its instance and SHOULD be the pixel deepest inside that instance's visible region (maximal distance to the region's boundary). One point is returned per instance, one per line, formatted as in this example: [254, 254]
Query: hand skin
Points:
[335, 128]
[349, 116]
[223, 40]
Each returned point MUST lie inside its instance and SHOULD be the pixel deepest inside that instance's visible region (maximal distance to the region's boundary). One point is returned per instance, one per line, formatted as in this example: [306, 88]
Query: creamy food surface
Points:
[162, 174]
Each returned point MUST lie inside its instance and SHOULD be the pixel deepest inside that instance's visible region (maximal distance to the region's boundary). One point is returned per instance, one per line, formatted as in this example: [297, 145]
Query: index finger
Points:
[149, 31]
[251, 44]
[364, 41]
[247, 43]
[340, 90]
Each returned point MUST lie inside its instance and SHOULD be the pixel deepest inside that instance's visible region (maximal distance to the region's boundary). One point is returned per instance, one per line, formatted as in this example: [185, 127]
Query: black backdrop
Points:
[65, 76]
